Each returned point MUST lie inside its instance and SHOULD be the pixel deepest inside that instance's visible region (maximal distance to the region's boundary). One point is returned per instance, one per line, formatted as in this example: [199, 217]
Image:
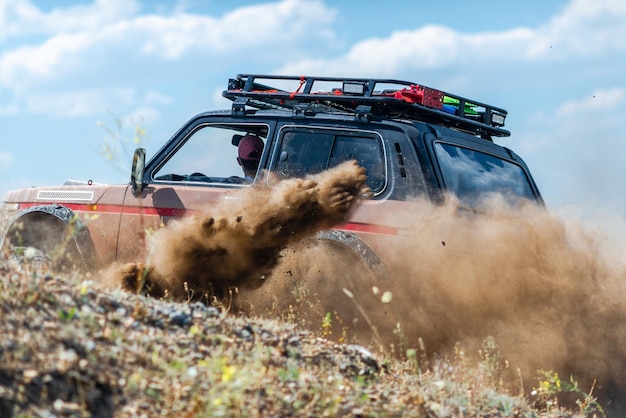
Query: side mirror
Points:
[136, 175]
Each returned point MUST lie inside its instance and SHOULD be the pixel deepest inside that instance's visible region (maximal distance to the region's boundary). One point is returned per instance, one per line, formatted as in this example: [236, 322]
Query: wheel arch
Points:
[49, 225]
[358, 247]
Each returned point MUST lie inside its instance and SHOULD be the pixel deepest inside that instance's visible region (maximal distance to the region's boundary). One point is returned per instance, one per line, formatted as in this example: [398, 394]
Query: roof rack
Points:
[366, 97]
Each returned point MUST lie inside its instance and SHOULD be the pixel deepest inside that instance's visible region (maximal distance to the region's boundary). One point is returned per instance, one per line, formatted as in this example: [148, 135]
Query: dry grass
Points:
[67, 349]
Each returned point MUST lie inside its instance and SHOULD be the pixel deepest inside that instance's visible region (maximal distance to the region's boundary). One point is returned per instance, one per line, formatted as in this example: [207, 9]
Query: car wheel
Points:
[31, 256]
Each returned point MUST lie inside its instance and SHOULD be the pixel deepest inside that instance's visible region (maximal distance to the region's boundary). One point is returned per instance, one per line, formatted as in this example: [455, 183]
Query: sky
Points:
[76, 76]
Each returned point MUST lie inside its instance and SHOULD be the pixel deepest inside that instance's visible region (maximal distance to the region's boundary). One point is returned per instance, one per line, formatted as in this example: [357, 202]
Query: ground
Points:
[70, 350]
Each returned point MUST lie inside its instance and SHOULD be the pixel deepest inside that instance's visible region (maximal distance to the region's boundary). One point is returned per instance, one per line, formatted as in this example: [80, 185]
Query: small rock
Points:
[180, 319]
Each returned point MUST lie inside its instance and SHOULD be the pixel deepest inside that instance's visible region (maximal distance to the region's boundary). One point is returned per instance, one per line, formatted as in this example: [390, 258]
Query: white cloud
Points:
[86, 50]
[424, 48]
[21, 17]
[266, 25]
[168, 37]
[87, 41]
[585, 27]
[20, 67]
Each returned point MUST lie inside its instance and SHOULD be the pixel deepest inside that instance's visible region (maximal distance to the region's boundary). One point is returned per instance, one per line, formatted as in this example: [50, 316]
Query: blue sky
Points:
[558, 67]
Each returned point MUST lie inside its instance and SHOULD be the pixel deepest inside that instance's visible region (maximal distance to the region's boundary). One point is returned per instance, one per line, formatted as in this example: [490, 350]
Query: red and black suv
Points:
[414, 141]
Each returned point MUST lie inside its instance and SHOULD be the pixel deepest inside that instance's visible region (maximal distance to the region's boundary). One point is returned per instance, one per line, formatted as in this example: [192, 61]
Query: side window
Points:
[305, 152]
[473, 175]
[216, 154]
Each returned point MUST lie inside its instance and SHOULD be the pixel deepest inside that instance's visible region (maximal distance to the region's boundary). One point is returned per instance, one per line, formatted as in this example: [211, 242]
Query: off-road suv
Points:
[414, 141]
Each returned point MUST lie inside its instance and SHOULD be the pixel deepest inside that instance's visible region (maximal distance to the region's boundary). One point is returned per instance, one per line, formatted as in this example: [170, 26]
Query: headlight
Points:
[497, 118]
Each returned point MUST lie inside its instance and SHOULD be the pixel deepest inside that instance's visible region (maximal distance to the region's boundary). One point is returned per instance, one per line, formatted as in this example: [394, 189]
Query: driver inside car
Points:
[249, 152]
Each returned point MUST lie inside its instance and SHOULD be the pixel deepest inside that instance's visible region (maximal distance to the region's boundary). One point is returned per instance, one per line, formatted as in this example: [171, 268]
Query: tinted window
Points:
[309, 152]
[471, 175]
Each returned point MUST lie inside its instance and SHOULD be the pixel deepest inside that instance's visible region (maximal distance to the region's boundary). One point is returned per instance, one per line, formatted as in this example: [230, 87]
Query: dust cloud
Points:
[543, 287]
[549, 290]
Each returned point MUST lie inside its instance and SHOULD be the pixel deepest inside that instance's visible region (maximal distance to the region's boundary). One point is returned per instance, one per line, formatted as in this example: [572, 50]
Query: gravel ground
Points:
[68, 349]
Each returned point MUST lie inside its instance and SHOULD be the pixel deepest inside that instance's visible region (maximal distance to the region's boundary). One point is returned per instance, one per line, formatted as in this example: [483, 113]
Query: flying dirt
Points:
[235, 245]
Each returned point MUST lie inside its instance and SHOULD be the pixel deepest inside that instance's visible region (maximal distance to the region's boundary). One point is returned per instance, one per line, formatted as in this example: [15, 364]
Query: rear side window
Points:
[473, 175]
[303, 152]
